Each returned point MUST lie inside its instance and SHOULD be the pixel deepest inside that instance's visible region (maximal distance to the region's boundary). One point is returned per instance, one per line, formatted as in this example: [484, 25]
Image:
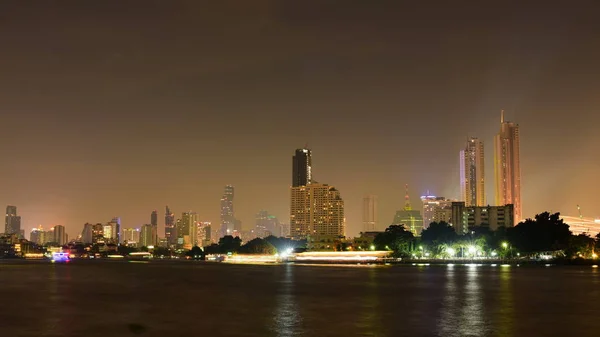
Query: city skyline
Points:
[102, 124]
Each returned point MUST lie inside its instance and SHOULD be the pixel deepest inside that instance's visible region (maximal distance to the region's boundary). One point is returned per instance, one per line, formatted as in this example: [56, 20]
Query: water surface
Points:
[95, 298]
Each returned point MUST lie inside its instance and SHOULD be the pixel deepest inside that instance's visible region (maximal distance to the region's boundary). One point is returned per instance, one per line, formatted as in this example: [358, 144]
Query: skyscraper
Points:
[116, 223]
[154, 218]
[302, 167]
[369, 213]
[12, 224]
[507, 167]
[170, 230]
[266, 224]
[60, 236]
[187, 228]
[316, 210]
[148, 236]
[436, 209]
[472, 178]
[227, 214]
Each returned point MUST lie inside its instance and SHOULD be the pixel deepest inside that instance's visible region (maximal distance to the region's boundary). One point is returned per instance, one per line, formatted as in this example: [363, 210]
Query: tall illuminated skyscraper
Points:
[472, 177]
[12, 223]
[227, 214]
[507, 167]
[170, 230]
[302, 168]
[316, 210]
[369, 213]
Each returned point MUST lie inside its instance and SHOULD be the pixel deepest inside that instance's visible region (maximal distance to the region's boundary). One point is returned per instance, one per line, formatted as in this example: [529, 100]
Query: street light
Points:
[505, 245]
[372, 247]
[450, 251]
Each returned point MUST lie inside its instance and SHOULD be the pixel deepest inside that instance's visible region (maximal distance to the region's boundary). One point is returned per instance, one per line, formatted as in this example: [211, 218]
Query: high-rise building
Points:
[98, 233]
[109, 231]
[60, 236]
[472, 177]
[148, 236]
[410, 218]
[87, 233]
[116, 223]
[507, 166]
[492, 217]
[316, 210]
[266, 224]
[436, 209]
[154, 218]
[170, 230]
[12, 224]
[227, 213]
[203, 234]
[38, 236]
[187, 235]
[131, 236]
[302, 167]
[369, 213]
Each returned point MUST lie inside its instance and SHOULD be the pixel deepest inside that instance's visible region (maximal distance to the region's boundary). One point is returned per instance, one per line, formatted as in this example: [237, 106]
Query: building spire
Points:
[501, 116]
[407, 206]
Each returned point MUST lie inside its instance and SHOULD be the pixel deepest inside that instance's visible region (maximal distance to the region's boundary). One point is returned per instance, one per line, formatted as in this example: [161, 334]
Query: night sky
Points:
[118, 108]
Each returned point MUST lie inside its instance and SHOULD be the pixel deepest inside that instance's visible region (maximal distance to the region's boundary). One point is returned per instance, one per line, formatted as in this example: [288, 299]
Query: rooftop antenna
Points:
[407, 199]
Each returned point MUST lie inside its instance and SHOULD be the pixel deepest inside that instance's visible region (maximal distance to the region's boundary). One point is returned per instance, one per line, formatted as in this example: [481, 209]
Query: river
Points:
[98, 298]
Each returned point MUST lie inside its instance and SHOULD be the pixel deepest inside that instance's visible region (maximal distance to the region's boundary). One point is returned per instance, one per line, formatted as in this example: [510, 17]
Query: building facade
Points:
[493, 217]
[436, 209]
[227, 212]
[12, 222]
[472, 173]
[316, 210]
[148, 236]
[170, 230]
[302, 167]
[507, 166]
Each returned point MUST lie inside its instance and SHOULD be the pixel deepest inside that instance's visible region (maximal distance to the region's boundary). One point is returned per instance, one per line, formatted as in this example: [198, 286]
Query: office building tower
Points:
[472, 177]
[98, 233]
[38, 236]
[302, 168]
[436, 209]
[148, 236]
[507, 167]
[284, 230]
[410, 218]
[87, 233]
[493, 217]
[154, 218]
[170, 229]
[131, 236]
[227, 213]
[12, 224]
[266, 225]
[369, 213]
[316, 210]
[116, 230]
[203, 234]
[60, 236]
[187, 230]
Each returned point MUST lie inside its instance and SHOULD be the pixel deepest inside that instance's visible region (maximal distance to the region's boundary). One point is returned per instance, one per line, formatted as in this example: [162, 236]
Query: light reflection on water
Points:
[179, 299]
[287, 320]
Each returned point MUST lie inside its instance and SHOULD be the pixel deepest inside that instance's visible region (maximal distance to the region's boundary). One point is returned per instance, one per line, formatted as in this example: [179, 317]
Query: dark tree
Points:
[258, 246]
[195, 253]
[547, 232]
[396, 238]
[438, 233]
[229, 244]
[581, 245]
